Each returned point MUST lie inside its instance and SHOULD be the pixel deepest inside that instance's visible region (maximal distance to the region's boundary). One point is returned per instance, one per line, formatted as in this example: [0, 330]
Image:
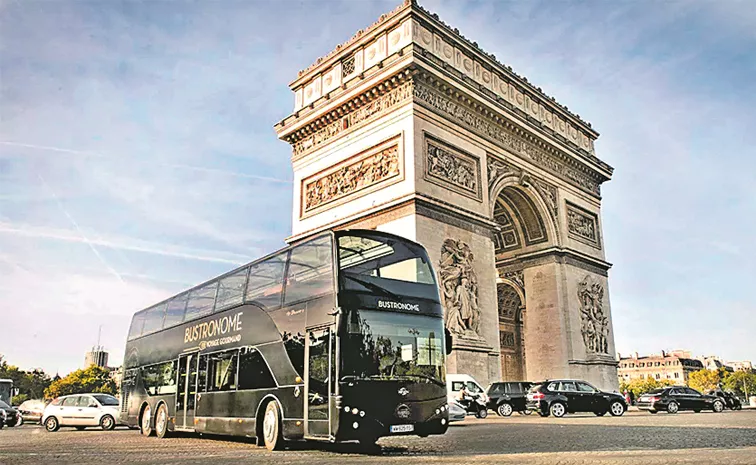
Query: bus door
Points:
[319, 381]
[187, 390]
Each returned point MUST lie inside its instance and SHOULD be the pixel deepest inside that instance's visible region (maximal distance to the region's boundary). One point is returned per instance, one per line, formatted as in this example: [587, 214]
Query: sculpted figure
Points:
[459, 289]
[594, 323]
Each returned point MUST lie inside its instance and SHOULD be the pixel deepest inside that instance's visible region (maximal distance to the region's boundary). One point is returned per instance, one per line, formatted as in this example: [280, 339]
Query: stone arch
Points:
[511, 306]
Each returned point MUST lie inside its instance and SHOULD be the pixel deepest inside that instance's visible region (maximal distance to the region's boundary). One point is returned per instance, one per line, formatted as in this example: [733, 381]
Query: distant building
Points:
[712, 362]
[743, 365]
[97, 356]
[674, 365]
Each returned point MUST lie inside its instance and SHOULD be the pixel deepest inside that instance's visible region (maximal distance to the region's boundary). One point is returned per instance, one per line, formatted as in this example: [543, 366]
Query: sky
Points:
[138, 156]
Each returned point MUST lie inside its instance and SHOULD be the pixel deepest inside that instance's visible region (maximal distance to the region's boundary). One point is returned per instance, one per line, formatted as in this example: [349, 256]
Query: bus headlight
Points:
[355, 425]
[443, 421]
[438, 411]
[346, 409]
[362, 413]
[354, 411]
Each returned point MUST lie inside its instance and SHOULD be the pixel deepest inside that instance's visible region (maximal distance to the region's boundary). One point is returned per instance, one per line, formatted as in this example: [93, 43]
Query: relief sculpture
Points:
[594, 322]
[352, 177]
[459, 289]
[457, 171]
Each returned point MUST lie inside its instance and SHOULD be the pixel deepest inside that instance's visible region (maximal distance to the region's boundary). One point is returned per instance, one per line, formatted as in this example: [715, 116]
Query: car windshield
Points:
[4, 405]
[105, 399]
[387, 345]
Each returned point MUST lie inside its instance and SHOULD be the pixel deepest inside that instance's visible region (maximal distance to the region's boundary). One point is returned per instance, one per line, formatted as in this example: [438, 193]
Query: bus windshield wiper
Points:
[373, 287]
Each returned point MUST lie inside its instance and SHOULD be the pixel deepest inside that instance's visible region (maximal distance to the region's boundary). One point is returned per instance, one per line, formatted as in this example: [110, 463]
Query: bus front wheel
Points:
[271, 428]
[145, 422]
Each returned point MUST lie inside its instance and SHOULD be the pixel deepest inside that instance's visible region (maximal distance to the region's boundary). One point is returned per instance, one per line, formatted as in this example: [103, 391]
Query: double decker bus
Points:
[337, 338]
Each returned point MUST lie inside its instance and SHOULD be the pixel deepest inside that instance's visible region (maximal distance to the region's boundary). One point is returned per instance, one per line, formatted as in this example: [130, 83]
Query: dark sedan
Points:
[676, 398]
[507, 397]
[12, 417]
[557, 397]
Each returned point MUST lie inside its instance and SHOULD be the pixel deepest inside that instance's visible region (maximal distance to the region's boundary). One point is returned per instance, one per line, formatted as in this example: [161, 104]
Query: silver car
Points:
[81, 411]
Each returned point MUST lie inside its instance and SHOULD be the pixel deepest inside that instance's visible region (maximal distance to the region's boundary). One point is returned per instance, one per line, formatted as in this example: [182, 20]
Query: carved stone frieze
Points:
[368, 112]
[484, 126]
[459, 289]
[507, 339]
[452, 168]
[582, 225]
[357, 174]
[549, 195]
[594, 323]
[497, 169]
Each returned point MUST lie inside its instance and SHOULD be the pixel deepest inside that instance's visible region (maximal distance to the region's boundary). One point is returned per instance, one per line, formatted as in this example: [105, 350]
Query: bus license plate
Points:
[402, 428]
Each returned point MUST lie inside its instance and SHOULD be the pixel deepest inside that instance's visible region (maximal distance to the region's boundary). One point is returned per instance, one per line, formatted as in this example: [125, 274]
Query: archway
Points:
[522, 228]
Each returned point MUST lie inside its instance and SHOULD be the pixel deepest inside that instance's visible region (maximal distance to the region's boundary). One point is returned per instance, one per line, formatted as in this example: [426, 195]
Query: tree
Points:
[640, 386]
[742, 382]
[92, 379]
[31, 384]
[704, 380]
[19, 399]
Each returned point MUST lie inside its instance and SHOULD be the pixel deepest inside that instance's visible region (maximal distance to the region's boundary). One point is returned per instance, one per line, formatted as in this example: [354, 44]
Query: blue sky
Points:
[137, 155]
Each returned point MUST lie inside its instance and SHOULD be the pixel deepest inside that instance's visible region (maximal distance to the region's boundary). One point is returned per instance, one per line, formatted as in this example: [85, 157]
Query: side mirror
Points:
[449, 341]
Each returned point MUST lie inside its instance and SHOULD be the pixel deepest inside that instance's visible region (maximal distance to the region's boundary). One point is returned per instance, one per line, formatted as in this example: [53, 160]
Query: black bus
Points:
[337, 338]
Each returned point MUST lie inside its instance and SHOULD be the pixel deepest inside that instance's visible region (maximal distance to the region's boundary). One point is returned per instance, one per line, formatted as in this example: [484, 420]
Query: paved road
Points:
[636, 438]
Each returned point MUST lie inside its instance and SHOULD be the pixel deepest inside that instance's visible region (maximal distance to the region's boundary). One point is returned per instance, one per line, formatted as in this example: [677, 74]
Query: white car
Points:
[80, 411]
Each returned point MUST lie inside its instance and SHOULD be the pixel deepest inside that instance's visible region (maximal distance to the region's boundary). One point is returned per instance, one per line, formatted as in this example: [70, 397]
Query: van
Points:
[454, 383]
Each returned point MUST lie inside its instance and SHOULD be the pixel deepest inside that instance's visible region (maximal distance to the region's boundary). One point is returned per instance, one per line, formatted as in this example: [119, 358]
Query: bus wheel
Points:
[272, 427]
[145, 421]
[161, 421]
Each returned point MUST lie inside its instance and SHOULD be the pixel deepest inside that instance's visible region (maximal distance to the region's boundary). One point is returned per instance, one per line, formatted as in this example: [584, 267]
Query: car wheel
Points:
[271, 428]
[482, 413]
[672, 407]
[107, 423]
[52, 425]
[601, 413]
[526, 412]
[557, 409]
[504, 409]
[717, 406]
[161, 421]
[146, 421]
[616, 409]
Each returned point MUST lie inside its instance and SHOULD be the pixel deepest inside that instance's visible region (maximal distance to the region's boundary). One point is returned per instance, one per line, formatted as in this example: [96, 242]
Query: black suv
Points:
[507, 397]
[560, 396]
[676, 398]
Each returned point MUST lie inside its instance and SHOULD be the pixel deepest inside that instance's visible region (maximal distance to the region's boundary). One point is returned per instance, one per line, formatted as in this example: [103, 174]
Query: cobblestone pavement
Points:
[636, 438]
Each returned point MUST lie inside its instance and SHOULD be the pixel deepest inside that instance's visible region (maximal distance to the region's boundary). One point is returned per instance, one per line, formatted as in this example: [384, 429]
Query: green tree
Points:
[92, 379]
[640, 386]
[704, 380]
[742, 382]
[19, 399]
[31, 384]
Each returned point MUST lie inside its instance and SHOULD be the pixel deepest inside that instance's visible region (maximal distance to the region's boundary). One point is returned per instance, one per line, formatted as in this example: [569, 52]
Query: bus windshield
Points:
[388, 345]
[384, 265]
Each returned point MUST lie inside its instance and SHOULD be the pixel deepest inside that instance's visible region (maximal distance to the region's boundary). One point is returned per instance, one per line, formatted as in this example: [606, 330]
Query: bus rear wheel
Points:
[161, 421]
[271, 427]
[145, 421]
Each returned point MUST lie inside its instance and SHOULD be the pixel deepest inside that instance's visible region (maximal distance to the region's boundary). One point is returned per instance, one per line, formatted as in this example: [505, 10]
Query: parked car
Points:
[12, 417]
[561, 396]
[508, 396]
[81, 411]
[675, 398]
[31, 410]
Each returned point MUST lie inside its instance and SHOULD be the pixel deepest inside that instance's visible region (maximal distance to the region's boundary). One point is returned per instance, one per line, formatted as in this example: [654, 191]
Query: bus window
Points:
[136, 325]
[310, 271]
[231, 290]
[222, 370]
[253, 371]
[160, 379]
[266, 282]
[201, 302]
[153, 319]
[174, 312]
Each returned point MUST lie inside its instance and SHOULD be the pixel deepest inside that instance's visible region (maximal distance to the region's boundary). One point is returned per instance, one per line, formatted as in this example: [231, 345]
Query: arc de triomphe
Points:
[410, 128]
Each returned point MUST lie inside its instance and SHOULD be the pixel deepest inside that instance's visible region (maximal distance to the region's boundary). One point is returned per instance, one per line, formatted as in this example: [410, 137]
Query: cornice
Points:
[410, 8]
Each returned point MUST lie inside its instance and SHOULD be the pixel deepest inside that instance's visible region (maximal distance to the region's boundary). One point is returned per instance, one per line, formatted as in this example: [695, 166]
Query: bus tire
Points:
[161, 421]
[271, 427]
[145, 421]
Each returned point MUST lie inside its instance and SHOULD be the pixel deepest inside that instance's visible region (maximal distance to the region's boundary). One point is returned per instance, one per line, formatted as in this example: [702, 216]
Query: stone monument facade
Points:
[410, 128]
